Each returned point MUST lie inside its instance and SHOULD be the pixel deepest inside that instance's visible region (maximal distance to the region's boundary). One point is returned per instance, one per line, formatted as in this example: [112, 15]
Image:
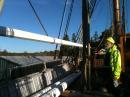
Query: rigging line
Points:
[79, 39]
[78, 32]
[99, 9]
[101, 41]
[126, 8]
[108, 14]
[62, 18]
[93, 6]
[69, 17]
[110, 7]
[61, 26]
[43, 28]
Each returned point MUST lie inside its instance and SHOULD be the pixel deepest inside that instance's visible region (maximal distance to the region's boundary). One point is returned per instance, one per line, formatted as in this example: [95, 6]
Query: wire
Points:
[110, 7]
[43, 28]
[60, 26]
[62, 18]
[78, 33]
[126, 8]
[106, 26]
[95, 4]
[69, 17]
[92, 6]
[109, 14]
[98, 11]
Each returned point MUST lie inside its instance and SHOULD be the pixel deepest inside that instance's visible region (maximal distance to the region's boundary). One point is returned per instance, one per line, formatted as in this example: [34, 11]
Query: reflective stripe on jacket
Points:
[115, 61]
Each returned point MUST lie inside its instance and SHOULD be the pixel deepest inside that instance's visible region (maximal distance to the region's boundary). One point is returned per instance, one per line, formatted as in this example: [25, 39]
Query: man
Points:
[113, 59]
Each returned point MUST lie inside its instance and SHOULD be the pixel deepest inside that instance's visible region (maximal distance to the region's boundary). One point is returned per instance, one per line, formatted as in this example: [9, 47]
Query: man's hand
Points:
[115, 83]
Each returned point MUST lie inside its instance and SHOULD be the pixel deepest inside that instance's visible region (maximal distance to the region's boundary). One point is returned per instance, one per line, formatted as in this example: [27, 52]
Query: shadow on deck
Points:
[72, 93]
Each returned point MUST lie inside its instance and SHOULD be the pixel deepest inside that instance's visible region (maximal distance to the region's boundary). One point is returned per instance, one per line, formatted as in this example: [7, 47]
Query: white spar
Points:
[4, 31]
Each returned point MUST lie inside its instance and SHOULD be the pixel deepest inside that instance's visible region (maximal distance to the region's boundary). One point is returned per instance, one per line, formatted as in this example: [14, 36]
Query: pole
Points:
[86, 41]
[117, 29]
[117, 20]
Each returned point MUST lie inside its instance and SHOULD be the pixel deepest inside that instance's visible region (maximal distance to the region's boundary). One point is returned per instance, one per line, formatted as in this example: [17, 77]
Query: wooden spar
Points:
[117, 30]
[8, 32]
[86, 41]
[117, 19]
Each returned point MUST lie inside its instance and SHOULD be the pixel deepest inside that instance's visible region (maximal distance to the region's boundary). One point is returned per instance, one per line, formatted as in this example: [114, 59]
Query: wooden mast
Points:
[86, 42]
[117, 19]
[117, 29]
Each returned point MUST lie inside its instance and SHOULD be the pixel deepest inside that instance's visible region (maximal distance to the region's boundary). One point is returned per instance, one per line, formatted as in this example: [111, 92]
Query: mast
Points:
[86, 41]
[117, 29]
[117, 20]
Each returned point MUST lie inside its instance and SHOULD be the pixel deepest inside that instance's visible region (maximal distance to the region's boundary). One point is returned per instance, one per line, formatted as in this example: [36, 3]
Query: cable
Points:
[99, 9]
[60, 26]
[108, 14]
[78, 33]
[43, 28]
[95, 4]
[69, 17]
[92, 6]
[110, 7]
[105, 33]
[101, 41]
[126, 8]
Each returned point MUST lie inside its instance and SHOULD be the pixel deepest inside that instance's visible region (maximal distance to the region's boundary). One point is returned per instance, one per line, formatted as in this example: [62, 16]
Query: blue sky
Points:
[18, 14]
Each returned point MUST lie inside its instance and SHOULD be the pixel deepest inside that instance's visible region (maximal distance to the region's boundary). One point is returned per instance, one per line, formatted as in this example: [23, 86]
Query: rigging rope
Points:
[110, 7]
[60, 26]
[78, 33]
[69, 17]
[108, 14]
[43, 28]
[127, 15]
[92, 6]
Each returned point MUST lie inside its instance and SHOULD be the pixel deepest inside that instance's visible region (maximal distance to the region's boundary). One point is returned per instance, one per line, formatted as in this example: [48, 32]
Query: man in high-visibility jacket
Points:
[113, 59]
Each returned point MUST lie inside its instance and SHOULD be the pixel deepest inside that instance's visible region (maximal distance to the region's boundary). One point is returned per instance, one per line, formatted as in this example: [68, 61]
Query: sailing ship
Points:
[32, 76]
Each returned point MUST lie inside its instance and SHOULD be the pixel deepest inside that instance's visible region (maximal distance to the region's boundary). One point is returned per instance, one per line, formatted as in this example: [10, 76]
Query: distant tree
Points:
[95, 37]
[66, 37]
[5, 51]
[106, 33]
[73, 37]
[64, 50]
[73, 49]
[25, 52]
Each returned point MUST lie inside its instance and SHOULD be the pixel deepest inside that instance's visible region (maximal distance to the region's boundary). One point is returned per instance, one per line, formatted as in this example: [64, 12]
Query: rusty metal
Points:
[117, 18]
[125, 53]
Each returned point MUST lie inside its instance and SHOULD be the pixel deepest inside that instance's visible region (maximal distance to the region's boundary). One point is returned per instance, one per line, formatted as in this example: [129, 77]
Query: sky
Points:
[19, 15]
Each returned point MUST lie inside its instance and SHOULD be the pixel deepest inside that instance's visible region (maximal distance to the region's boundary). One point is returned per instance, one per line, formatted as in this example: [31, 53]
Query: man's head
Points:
[109, 42]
